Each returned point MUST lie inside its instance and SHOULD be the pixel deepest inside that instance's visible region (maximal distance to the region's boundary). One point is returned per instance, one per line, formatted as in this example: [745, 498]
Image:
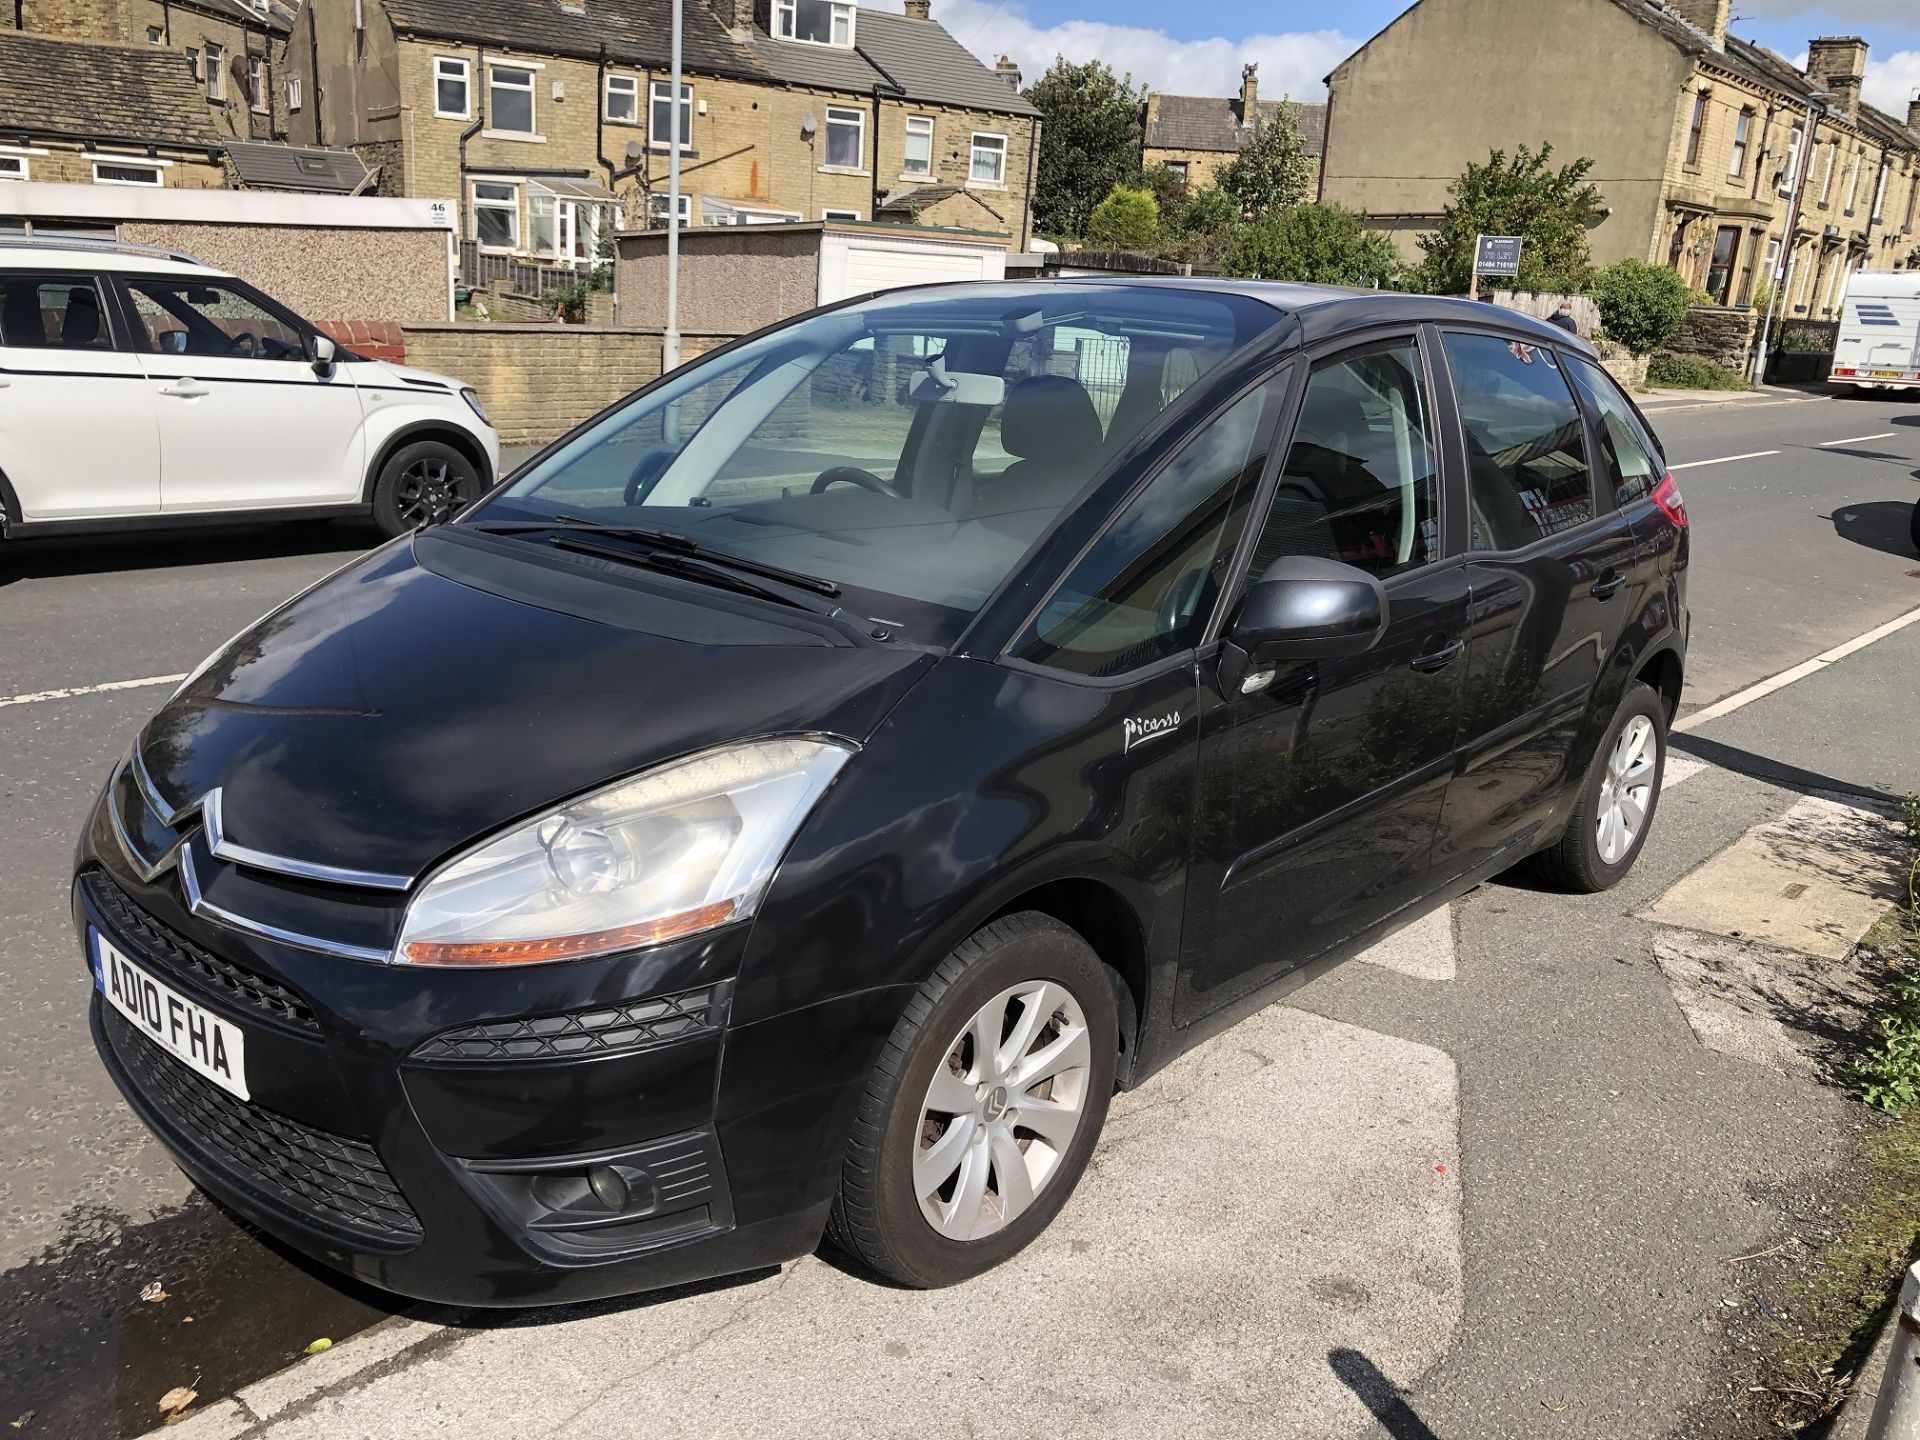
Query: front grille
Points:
[334, 1184]
[154, 945]
[606, 1029]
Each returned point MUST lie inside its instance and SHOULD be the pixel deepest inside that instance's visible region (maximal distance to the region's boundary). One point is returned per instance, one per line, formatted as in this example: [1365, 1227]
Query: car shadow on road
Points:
[168, 549]
[1379, 1394]
[1883, 525]
[1778, 772]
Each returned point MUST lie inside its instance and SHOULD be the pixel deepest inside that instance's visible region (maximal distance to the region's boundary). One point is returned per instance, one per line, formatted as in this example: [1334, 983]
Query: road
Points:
[1796, 549]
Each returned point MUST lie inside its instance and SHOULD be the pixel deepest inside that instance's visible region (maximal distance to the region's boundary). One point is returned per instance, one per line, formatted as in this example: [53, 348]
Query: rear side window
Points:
[1625, 454]
[1145, 589]
[53, 312]
[1527, 471]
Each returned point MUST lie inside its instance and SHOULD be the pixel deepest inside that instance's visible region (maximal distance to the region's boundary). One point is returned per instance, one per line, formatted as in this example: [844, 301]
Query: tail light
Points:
[1667, 496]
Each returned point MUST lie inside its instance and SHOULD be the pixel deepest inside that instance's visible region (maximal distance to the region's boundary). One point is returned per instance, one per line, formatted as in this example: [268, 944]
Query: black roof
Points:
[264, 165]
[1215, 122]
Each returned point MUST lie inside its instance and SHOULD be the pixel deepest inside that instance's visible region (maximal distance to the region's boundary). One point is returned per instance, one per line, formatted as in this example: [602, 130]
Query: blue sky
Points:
[1198, 46]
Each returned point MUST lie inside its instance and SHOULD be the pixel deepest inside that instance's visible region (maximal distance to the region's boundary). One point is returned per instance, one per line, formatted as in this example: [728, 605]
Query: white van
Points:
[139, 388]
[1879, 343]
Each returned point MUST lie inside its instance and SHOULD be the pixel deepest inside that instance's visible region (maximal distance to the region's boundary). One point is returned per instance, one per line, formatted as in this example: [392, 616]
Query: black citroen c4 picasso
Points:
[796, 801]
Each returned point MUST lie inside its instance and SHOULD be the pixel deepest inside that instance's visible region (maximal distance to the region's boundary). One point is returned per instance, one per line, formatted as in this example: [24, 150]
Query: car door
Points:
[1322, 782]
[79, 438]
[246, 422]
[1551, 562]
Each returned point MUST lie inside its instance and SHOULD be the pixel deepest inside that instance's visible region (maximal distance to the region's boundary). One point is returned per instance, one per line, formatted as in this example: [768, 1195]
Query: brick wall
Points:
[375, 339]
[539, 381]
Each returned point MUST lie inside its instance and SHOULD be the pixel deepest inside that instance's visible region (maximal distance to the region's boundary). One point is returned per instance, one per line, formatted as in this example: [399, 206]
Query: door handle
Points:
[1608, 585]
[1430, 660]
[185, 389]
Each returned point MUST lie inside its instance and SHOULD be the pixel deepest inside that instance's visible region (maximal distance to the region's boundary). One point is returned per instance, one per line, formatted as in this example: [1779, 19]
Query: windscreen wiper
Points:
[694, 567]
[665, 540]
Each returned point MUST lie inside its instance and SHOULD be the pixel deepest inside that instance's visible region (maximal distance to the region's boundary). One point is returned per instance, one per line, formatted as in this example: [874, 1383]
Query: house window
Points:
[1696, 125]
[820, 22]
[496, 215]
[216, 73]
[13, 167]
[1726, 250]
[510, 100]
[657, 211]
[839, 214]
[919, 146]
[1913, 197]
[846, 138]
[721, 212]
[623, 100]
[543, 225]
[293, 92]
[660, 115]
[155, 35]
[1790, 174]
[989, 159]
[257, 83]
[1179, 168]
[1853, 183]
[1880, 192]
[1826, 176]
[1742, 127]
[115, 172]
[452, 89]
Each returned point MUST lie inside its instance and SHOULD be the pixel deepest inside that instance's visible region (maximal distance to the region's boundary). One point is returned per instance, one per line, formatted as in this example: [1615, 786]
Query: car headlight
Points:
[473, 403]
[670, 852]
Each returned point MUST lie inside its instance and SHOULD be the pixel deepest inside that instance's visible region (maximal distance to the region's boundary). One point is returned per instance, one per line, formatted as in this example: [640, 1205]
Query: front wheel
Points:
[984, 1108]
[423, 484]
[1615, 810]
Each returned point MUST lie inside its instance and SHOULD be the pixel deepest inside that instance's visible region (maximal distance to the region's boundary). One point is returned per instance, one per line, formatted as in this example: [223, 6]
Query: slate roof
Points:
[315, 169]
[91, 91]
[635, 32]
[931, 66]
[278, 17]
[1213, 122]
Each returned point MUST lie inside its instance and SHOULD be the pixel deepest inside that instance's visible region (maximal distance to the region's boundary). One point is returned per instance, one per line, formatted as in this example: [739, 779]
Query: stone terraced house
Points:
[549, 121]
[1198, 136]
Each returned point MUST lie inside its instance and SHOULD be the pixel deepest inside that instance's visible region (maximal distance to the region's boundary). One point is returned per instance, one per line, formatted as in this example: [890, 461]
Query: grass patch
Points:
[1678, 373]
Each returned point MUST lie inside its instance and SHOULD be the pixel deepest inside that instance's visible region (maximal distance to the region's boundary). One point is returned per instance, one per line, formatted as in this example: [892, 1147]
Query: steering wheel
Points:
[853, 475]
[246, 343]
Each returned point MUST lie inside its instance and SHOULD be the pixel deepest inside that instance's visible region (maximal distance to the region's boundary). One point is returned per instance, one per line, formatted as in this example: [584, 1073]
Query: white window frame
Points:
[859, 122]
[259, 97]
[1826, 176]
[627, 86]
[999, 182]
[494, 70]
[1853, 182]
[1796, 142]
[730, 212]
[215, 57]
[916, 125]
[512, 206]
[452, 67]
[1742, 135]
[14, 167]
[657, 209]
[660, 92]
[129, 162]
[836, 213]
[294, 96]
[155, 35]
[1880, 190]
[786, 23]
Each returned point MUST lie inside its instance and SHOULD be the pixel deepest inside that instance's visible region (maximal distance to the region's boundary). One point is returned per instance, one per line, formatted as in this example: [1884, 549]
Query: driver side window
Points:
[188, 316]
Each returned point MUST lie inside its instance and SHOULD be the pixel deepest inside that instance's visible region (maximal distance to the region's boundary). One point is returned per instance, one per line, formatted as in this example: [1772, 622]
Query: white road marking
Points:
[1725, 460]
[1799, 672]
[38, 695]
[1857, 439]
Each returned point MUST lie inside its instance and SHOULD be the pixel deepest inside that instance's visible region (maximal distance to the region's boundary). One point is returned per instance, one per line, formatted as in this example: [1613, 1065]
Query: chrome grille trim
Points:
[224, 848]
[141, 867]
[169, 815]
[207, 910]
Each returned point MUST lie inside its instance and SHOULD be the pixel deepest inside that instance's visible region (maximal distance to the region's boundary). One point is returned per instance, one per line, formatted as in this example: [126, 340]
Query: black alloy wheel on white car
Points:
[425, 483]
[984, 1108]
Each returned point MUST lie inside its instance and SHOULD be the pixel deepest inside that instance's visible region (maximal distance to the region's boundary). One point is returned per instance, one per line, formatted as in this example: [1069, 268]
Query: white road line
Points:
[1855, 440]
[1725, 460]
[37, 696]
[1798, 672]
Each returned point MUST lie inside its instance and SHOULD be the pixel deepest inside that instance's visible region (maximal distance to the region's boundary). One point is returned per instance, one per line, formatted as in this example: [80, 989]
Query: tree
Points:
[1127, 219]
[1274, 170]
[1090, 130]
[1169, 188]
[1642, 306]
[1318, 244]
[1550, 210]
[1209, 211]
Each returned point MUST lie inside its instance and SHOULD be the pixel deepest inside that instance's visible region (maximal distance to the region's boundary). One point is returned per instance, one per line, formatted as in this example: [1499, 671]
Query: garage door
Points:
[873, 268]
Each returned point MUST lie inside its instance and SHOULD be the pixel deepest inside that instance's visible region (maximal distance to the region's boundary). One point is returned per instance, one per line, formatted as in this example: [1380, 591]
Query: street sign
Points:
[1498, 255]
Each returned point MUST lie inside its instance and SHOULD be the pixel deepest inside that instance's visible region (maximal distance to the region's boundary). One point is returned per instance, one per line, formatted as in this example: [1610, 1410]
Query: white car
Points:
[139, 387]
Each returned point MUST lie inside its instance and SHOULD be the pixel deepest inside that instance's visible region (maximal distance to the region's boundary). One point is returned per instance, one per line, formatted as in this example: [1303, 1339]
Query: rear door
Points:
[245, 421]
[78, 434]
[1553, 563]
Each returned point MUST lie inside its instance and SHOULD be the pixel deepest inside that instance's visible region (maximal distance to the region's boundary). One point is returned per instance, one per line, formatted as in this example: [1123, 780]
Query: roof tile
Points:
[94, 91]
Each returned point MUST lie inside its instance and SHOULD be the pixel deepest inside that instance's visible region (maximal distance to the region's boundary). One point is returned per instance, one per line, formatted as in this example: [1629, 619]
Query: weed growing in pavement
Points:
[1887, 1077]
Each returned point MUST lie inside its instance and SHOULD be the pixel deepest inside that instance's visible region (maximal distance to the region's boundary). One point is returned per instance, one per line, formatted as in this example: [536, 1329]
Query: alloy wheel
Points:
[429, 493]
[1626, 790]
[1001, 1110]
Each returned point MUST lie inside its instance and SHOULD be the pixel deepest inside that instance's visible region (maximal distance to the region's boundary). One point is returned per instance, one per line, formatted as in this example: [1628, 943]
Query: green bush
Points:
[1642, 306]
[1317, 244]
[1127, 219]
[1679, 373]
[1209, 211]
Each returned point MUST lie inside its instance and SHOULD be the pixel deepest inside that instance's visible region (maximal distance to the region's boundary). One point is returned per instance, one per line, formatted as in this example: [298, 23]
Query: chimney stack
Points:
[1707, 15]
[1913, 112]
[736, 15]
[919, 9]
[1249, 93]
[1839, 63]
[1009, 72]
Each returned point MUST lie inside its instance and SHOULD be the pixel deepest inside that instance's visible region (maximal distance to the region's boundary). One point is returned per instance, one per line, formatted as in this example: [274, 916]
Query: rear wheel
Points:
[424, 483]
[1617, 802]
[984, 1108]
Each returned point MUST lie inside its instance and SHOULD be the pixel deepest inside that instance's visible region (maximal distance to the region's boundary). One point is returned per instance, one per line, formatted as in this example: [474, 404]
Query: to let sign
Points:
[1498, 255]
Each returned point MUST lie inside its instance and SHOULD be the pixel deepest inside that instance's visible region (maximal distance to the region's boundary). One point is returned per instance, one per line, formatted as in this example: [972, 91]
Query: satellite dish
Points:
[809, 127]
[635, 149]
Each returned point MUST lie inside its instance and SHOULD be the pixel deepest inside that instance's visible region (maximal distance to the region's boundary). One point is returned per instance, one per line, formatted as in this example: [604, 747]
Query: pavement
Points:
[1479, 1184]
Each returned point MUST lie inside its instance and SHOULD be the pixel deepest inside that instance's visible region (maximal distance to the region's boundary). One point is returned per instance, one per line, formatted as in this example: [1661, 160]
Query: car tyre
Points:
[1603, 838]
[1055, 1006]
[423, 483]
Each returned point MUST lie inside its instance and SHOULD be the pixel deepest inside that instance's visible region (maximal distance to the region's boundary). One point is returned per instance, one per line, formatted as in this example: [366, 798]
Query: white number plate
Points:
[192, 1034]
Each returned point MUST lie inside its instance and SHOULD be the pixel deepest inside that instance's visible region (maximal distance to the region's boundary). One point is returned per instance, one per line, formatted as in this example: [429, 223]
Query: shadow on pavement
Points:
[1776, 772]
[1883, 525]
[35, 559]
[1379, 1394]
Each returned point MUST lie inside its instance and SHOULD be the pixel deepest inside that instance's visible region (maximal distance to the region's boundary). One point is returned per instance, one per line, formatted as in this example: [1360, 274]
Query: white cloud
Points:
[1291, 64]
[1893, 81]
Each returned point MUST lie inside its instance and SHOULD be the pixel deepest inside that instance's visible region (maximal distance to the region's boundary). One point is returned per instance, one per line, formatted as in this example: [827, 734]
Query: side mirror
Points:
[650, 468]
[1304, 608]
[321, 354]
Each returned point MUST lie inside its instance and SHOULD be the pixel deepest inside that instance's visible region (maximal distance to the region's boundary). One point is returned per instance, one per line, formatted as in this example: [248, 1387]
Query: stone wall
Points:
[1717, 336]
[539, 381]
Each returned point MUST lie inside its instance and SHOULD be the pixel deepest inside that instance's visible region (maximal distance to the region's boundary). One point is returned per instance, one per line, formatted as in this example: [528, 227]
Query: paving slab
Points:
[1424, 949]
